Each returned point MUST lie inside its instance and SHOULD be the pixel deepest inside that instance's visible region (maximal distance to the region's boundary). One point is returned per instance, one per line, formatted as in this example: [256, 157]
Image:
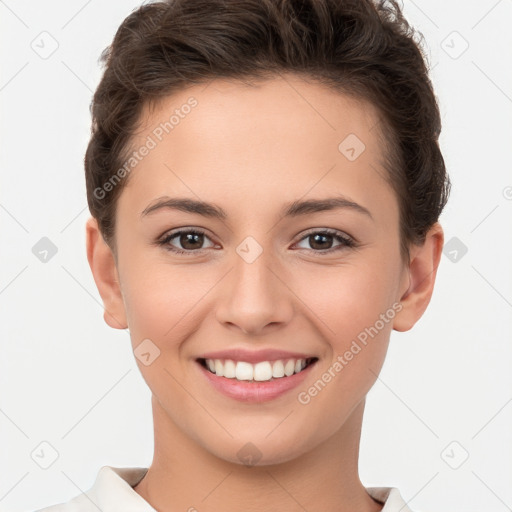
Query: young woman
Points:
[265, 184]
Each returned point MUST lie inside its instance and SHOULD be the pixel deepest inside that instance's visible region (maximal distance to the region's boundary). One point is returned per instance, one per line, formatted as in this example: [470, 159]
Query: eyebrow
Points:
[186, 205]
[294, 209]
[318, 205]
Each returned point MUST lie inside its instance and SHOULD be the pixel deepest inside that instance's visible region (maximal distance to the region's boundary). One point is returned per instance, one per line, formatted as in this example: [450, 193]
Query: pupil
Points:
[317, 241]
[190, 240]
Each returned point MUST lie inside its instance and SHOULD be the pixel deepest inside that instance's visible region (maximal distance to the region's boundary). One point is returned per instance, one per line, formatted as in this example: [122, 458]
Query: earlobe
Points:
[104, 270]
[422, 272]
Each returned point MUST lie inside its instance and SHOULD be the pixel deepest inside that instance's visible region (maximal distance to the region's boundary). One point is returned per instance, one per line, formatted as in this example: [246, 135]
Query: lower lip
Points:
[248, 391]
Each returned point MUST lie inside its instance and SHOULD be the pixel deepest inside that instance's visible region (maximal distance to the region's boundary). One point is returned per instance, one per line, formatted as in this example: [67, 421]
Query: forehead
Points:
[306, 109]
[280, 135]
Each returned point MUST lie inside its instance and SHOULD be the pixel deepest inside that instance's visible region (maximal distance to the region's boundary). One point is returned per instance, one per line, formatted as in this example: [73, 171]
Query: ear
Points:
[421, 276]
[104, 270]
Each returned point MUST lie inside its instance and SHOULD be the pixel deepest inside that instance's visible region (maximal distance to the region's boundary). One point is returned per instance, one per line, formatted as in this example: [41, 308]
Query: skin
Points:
[252, 150]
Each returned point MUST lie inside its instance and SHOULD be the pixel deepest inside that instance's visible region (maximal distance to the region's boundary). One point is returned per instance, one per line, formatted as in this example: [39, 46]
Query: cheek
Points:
[163, 301]
[352, 306]
[348, 298]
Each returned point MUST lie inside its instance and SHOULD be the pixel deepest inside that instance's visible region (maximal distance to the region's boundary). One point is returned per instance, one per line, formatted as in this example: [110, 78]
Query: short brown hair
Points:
[362, 48]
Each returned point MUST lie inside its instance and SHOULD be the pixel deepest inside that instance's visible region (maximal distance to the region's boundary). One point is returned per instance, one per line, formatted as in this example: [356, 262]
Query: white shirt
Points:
[113, 492]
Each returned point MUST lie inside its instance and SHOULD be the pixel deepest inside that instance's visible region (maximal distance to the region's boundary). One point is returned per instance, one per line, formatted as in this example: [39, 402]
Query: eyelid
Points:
[165, 238]
[346, 240]
[330, 231]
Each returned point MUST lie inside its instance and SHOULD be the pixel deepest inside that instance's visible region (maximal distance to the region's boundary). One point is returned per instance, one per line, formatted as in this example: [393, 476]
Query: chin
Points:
[257, 451]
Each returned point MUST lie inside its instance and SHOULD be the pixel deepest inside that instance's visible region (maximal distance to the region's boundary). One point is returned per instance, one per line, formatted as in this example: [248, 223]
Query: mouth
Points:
[263, 371]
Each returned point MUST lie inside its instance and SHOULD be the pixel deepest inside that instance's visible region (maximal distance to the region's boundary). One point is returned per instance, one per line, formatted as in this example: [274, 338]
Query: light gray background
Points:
[67, 379]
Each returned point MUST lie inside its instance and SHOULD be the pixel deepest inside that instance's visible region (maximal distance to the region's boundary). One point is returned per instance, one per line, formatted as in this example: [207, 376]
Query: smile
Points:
[262, 371]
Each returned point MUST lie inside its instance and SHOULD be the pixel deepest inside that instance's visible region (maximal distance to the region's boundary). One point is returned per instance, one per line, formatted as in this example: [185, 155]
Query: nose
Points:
[255, 299]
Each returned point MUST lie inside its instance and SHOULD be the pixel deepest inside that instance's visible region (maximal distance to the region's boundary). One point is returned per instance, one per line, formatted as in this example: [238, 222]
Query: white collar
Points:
[113, 491]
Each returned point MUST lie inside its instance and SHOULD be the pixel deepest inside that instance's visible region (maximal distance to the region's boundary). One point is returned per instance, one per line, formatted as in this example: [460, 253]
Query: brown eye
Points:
[191, 240]
[186, 241]
[326, 241]
[320, 241]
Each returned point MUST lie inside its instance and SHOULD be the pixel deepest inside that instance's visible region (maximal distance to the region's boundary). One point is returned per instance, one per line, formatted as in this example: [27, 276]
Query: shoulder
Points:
[77, 504]
[390, 498]
[112, 489]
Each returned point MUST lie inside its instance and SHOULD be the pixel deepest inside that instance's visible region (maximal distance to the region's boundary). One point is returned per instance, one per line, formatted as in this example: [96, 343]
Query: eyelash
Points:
[345, 241]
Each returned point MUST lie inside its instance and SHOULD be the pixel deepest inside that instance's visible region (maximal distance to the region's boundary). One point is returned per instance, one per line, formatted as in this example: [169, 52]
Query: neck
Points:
[184, 476]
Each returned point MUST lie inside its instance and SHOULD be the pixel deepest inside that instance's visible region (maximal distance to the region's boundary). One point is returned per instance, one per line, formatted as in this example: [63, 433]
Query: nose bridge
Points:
[255, 297]
[254, 278]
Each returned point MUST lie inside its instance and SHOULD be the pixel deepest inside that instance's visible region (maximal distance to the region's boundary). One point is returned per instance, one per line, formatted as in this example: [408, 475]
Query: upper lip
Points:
[254, 356]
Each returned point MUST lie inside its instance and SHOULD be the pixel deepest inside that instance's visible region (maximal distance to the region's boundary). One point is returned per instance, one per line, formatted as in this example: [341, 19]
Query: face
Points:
[259, 229]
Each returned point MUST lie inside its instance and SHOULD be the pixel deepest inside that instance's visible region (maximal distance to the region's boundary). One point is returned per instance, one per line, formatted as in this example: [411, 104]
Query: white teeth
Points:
[278, 369]
[262, 371]
[219, 367]
[289, 367]
[229, 369]
[244, 371]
